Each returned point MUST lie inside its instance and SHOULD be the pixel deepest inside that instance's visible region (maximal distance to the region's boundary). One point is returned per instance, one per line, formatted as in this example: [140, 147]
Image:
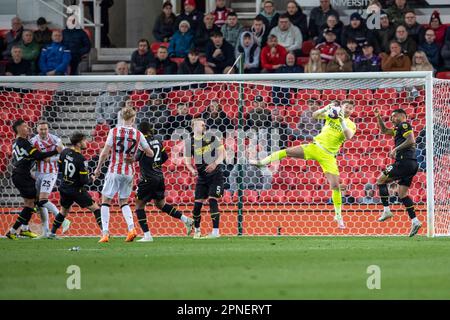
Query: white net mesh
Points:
[256, 117]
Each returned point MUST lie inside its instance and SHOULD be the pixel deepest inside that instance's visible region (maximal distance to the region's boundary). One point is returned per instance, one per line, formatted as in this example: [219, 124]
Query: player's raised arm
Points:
[381, 124]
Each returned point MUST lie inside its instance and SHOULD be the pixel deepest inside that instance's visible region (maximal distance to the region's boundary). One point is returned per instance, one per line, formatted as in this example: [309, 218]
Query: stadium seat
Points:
[307, 46]
[443, 75]
[155, 46]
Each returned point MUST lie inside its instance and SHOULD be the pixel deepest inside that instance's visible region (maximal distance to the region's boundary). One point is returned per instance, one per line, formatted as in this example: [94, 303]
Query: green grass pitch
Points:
[228, 268]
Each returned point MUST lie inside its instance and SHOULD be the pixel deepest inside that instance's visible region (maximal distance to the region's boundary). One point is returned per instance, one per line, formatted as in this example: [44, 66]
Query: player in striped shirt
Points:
[123, 142]
[46, 175]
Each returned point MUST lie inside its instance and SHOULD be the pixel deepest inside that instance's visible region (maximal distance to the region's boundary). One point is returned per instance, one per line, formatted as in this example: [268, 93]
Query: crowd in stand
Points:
[275, 39]
[210, 43]
[43, 52]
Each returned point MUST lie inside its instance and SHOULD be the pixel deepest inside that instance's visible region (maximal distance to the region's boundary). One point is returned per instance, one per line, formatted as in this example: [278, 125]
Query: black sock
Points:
[409, 205]
[98, 218]
[197, 214]
[214, 211]
[24, 217]
[171, 211]
[384, 194]
[59, 219]
[142, 219]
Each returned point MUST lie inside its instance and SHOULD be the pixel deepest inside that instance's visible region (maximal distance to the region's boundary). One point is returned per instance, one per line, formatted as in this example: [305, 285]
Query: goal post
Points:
[254, 115]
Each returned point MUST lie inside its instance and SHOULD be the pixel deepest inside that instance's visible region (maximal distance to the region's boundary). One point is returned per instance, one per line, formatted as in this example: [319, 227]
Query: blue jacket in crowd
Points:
[432, 52]
[54, 57]
[77, 41]
[180, 44]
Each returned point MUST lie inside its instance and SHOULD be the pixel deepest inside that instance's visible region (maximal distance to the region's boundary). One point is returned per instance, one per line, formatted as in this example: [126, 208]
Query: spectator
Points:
[291, 65]
[273, 56]
[260, 31]
[162, 62]
[109, 104]
[353, 49]
[415, 30]
[315, 63]
[219, 55]
[329, 47]
[368, 61]
[191, 14]
[280, 130]
[431, 48]
[385, 34]
[151, 71]
[232, 30]
[397, 11]
[182, 41]
[141, 58]
[43, 35]
[164, 26]
[77, 41]
[308, 127]
[30, 49]
[318, 17]
[420, 62]
[331, 23]
[369, 195]
[268, 15]
[406, 42]
[191, 64]
[288, 35]
[215, 118]
[121, 68]
[18, 66]
[445, 52]
[438, 27]
[298, 18]
[13, 37]
[259, 117]
[157, 113]
[204, 32]
[341, 62]
[182, 120]
[356, 30]
[396, 60]
[221, 13]
[55, 58]
[251, 52]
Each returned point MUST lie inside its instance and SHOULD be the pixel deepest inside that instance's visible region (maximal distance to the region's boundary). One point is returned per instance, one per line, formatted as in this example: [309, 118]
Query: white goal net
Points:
[254, 115]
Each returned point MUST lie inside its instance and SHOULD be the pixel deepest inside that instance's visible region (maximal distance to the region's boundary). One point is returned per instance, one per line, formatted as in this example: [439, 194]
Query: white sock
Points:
[184, 218]
[43, 212]
[147, 235]
[13, 231]
[386, 209]
[215, 232]
[25, 227]
[52, 208]
[197, 229]
[104, 211]
[128, 215]
[415, 221]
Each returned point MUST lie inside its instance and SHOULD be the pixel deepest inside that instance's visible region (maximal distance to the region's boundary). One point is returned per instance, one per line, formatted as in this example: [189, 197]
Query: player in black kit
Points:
[151, 184]
[75, 177]
[403, 169]
[208, 153]
[24, 157]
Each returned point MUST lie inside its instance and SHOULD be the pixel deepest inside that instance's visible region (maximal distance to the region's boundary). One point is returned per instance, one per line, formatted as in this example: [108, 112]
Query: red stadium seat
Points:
[307, 46]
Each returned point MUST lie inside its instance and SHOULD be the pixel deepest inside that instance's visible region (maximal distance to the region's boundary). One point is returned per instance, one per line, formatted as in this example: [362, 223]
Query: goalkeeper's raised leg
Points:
[337, 129]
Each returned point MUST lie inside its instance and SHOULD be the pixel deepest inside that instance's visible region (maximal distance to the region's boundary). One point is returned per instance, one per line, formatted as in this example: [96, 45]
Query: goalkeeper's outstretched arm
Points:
[320, 114]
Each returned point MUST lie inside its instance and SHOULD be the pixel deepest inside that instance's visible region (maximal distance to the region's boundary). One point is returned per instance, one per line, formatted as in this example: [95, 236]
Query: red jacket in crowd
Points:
[220, 16]
[268, 60]
[327, 50]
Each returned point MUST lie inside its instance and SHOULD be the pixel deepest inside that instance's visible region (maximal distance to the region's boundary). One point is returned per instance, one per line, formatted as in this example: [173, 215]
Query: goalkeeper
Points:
[338, 128]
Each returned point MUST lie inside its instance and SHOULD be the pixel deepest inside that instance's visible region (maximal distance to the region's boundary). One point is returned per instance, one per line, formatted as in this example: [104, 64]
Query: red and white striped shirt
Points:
[124, 142]
[46, 145]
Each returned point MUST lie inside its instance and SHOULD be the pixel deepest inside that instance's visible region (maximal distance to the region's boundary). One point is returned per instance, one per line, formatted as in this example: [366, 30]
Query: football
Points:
[334, 112]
